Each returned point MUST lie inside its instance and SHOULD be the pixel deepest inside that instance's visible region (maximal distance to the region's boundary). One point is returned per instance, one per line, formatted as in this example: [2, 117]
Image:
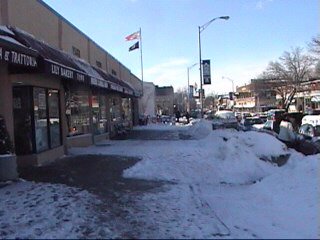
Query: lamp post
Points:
[201, 29]
[232, 81]
[188, 104]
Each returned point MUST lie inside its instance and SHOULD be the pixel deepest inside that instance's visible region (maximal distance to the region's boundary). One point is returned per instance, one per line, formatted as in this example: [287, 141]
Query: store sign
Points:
[116, 87]
[18, 58]
[65, 72]
[206, 72]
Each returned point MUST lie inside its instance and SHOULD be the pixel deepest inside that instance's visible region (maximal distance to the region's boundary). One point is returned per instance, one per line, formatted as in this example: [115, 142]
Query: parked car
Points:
[309, 139]
[225, 119]
[251, 123]
[309, 130]
[314, 120]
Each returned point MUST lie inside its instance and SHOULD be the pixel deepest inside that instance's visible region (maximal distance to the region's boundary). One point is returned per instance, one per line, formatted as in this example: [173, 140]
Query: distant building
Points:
[164, 100]
[257, 96]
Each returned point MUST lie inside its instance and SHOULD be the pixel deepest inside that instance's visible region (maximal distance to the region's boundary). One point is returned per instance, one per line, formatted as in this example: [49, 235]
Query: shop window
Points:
[99, 116]
[115, 109]
[77, 112]
[103, 125]
[126, 107]
[40, 119]
[54, 118]
[76, 51]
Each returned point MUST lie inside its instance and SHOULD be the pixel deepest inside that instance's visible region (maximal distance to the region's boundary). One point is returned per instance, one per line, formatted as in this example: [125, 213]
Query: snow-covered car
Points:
[225, 119]
[308, 139]
[314, 120]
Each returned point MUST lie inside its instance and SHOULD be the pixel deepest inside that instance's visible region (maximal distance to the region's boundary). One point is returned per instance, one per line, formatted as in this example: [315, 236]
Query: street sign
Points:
[206, 71]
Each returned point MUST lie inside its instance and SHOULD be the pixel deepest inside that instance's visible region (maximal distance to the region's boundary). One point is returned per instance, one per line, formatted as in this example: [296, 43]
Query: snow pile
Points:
[293, 194]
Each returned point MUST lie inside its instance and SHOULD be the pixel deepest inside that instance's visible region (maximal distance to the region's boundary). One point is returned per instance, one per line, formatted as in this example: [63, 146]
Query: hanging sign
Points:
[206, 72]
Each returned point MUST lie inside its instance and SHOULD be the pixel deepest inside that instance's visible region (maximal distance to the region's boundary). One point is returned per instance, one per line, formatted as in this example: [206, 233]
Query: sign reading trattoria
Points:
[65, 72]
[14, 57]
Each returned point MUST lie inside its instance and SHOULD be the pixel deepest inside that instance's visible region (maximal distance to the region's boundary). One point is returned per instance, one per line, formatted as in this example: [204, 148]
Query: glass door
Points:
[54, 118]
[40, 119]
[23, 124]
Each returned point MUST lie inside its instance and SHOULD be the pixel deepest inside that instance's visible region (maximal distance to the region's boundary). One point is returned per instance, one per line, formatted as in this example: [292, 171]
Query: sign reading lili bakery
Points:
[18, 58]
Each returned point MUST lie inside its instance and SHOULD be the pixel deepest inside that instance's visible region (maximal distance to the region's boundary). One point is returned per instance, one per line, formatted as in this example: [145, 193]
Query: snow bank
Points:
[227, 156]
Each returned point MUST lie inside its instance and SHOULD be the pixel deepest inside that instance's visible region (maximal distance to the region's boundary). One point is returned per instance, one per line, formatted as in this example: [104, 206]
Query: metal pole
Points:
[188, 92]
[141, 59]
[200, 66]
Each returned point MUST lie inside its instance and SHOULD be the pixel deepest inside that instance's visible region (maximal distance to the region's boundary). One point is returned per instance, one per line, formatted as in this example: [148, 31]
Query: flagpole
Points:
[141, 60]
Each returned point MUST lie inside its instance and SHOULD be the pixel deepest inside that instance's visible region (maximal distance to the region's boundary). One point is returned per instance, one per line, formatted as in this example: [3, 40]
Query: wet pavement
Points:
[168, 135]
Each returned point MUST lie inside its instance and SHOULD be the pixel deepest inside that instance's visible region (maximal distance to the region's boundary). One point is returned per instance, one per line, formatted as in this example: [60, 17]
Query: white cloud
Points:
[262, 3]
[170, 73]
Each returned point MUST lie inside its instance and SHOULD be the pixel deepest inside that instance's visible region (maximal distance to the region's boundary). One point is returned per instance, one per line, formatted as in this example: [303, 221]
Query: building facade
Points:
[259, 96]
[165, 100]
[255, 97]
[59, 89]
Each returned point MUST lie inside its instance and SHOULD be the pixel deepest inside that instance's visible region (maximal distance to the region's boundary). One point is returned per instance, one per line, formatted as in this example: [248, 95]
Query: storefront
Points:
[57, 101]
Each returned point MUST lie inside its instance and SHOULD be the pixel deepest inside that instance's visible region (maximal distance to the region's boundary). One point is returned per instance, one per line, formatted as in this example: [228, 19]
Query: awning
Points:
[94, 77]
[126, 88]
[53, 61]
[13, 52]
[112, 84]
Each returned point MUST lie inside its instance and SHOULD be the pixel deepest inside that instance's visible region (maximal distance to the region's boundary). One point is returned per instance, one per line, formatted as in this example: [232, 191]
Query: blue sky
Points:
[258, 32]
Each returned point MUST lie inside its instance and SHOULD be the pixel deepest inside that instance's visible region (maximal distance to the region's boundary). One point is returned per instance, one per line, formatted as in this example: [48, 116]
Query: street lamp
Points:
[188, 104]
[231, 81]
[201, 29]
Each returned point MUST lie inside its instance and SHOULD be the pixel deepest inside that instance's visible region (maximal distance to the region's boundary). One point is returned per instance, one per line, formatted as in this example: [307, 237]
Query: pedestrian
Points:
[177, 115]
[187, 117]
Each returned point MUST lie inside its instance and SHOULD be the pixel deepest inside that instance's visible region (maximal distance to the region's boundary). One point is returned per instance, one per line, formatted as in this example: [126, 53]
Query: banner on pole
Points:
[206, 71]
[191, 89]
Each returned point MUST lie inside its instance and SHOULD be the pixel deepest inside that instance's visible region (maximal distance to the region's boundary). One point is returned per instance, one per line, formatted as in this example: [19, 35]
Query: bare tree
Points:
[286, 75]
[314, 49]
[314, 46]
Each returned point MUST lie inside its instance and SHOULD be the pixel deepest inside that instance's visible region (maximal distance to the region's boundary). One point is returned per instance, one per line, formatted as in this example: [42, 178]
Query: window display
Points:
[99, 114]
[77, 112]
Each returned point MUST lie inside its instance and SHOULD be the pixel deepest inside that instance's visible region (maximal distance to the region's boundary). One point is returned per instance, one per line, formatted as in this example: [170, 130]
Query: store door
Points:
[22, 110]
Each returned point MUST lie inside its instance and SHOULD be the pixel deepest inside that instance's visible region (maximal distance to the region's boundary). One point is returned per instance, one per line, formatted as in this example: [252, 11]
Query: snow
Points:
[30, 210]
[12, 40]
[220, 188]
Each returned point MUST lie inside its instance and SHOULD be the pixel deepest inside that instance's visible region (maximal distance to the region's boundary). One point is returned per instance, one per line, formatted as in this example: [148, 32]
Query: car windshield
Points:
[225, 115]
